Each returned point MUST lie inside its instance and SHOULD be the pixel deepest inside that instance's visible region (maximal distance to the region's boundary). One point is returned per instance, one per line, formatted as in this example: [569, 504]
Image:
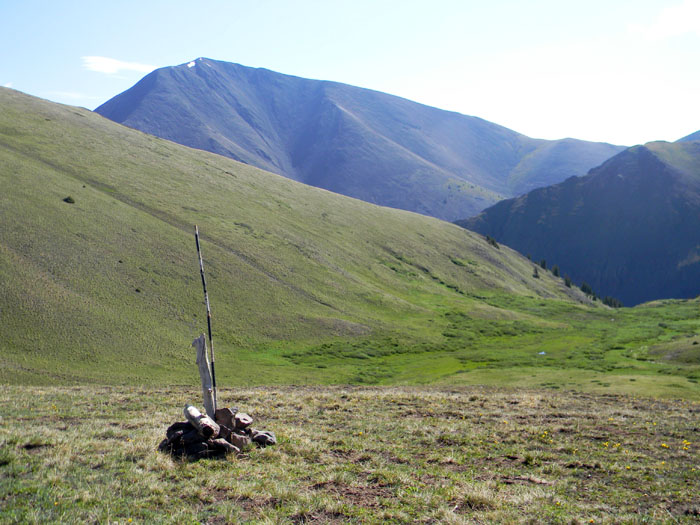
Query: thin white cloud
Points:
[8, 85]
[112, 66]
[672, 21]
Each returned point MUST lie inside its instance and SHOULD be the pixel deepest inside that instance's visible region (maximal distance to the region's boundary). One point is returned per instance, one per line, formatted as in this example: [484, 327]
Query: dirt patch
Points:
[578, 464]
[217, 520]
[36, 447]
[394, 459]
[525, 480]
[367, 496]
[319, 517]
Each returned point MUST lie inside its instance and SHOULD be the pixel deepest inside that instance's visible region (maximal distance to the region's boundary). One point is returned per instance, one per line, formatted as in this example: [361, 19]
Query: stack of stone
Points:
[203, 437]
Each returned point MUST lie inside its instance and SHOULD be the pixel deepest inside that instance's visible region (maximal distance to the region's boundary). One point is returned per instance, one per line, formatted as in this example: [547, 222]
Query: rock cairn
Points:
[203, 437]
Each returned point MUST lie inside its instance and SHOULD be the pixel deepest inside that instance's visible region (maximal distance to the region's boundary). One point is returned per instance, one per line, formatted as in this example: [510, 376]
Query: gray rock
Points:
[263, 438]
[240, 440]
[243, 420]
[225, 416]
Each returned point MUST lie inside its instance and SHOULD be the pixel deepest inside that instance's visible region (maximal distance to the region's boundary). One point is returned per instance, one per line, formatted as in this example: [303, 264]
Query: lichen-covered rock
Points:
[243, 420]
[231, 434]
[224, 445]
[183, 426]
[263, 438]
[240, 439]
[225, 416]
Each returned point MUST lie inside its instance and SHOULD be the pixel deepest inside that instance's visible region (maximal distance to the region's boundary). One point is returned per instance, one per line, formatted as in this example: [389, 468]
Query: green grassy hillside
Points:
[306, 286]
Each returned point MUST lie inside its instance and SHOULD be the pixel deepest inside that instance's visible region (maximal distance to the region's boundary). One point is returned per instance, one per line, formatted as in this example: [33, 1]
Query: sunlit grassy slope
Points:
[305, 285]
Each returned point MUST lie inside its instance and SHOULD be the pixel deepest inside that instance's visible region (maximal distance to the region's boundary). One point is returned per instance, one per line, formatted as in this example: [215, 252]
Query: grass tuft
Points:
[353, 454]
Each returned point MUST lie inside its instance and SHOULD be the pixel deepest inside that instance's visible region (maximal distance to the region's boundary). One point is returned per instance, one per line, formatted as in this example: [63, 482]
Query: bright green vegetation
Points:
[363, 455]
[306, 286]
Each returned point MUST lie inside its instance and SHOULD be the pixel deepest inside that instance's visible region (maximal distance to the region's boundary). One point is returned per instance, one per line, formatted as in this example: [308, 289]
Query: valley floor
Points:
[353, 454]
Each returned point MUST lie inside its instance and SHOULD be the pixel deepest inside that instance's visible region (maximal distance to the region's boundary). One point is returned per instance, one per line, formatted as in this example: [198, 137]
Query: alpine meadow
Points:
[414, 371]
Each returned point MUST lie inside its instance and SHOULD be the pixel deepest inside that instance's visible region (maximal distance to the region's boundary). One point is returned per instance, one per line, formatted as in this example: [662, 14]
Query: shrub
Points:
[492, 242]
[535, 273]
[567, 281]
[555, 270]
[543, 264]
[586, 288]
[612, 302]
[69, 200]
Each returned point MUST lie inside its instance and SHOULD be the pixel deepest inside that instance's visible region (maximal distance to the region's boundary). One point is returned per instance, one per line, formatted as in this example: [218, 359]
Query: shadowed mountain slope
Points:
[361, 143]
[691, 137]
[630, 228]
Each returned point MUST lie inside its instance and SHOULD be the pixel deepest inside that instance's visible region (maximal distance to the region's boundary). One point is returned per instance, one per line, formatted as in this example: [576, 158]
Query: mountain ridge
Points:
[358, 142]
[691, 137]
[629, 228]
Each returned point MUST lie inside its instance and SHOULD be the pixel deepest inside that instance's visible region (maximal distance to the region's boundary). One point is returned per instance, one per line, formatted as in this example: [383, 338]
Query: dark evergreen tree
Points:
[612, 302]
[492, 242]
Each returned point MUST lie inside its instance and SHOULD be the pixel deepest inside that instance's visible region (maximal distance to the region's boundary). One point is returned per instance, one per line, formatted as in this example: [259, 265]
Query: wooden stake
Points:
[205, 374]
[206, 300]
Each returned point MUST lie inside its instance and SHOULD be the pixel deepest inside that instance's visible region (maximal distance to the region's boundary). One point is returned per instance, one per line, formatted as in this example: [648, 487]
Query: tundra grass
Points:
[306, 286]
[353, 455]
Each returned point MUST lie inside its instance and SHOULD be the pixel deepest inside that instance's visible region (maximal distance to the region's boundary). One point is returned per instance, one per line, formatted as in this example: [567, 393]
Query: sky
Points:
[625, 72]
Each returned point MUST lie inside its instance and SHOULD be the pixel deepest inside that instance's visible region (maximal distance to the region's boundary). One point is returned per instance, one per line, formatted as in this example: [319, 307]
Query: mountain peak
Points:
[362, 143]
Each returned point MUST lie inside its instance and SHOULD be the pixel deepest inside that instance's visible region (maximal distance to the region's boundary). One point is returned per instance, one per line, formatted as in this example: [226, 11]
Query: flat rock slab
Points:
[225, 416]
[243, 420]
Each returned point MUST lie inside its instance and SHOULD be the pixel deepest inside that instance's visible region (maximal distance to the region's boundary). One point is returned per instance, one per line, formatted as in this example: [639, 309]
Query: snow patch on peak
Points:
[191, 64]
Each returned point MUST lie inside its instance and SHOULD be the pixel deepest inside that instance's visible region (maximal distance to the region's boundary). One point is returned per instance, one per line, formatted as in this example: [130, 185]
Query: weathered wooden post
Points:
[206, 427]
[205, 374]
[206, 300]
